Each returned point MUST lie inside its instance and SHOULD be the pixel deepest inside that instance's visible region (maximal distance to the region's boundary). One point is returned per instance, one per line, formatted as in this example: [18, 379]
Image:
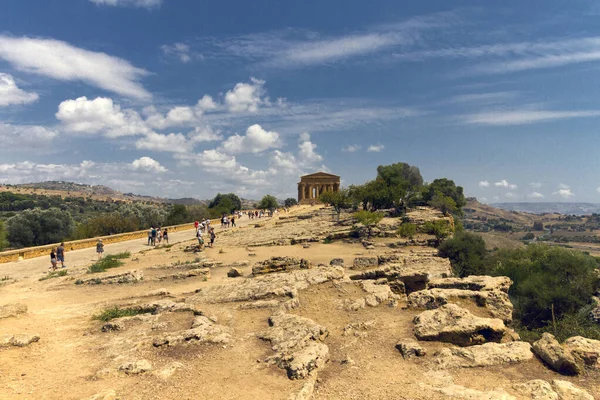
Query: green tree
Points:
[446, 188]
[445, 204]
[547, 279]
[368, 219]
[268, 202]
[179, 214]
[467, 254]
[338, 200]
[439, 228]
[289, 202]
[407, 230]
[3, 240]
[108, 224]
[198, 212]
[39, 227]
[225, 203]
[538, 226]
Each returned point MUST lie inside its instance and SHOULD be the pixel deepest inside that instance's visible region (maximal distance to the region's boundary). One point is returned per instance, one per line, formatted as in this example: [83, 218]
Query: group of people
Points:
[205, 228]
[157, 235]
[57, 254]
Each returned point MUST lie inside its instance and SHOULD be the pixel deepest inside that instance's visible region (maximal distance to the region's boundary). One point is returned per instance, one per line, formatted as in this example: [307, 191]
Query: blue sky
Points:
[187, 98]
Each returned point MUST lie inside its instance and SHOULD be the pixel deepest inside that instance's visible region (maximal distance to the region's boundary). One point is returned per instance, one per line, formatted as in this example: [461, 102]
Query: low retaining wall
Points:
[32, 252]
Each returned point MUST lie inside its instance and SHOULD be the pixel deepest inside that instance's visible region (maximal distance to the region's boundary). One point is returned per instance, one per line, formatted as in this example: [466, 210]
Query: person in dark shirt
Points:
[60, 255]
[53, 259]
[166, 236]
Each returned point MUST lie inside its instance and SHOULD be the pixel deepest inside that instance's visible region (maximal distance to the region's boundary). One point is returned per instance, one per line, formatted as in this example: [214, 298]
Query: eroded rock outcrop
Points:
[586, 351]
[474, 282]
[536, 389]
[203, 330]
[18, 340]
[135, 367]
[410, 348]
[280, 264]
[556, 356]
[484, 355]
[298, 344]
[123, 277]
[12, 310]
[568, 391]
[453, 324]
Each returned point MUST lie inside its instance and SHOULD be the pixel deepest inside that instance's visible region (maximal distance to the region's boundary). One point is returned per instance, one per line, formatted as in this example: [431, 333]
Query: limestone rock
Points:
[378, 293]
[410, 348]
[135, 367]
[191, 273]
[495, 302]
[306, 391]
[235, 272]
[157, 292]
[568, 391]
[536, 389]
[12, 310]
[586, 351]
[168, 371]
[123, 277]
[18, 340]
[484, 355]
[559, 359]
[298, 344]
[474, 282]
[193, 248]
[279, 264]
[364, 262]
[203, 330]
[461, 392]
[104, 395]
[452, 324]
[337, 262]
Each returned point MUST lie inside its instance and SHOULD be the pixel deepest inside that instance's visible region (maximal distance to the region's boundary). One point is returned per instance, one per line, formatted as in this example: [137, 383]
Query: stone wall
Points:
[32, 252]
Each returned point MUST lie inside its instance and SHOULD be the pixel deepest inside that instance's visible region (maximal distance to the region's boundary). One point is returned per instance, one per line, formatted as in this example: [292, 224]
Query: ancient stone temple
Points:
[312, 186]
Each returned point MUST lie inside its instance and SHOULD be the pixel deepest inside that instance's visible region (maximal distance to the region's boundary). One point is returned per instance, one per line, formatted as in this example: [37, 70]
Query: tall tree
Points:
[268, 202]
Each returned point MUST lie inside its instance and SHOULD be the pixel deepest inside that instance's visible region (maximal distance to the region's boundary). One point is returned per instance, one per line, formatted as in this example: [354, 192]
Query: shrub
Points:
[467, 254]
[407, 230]
[108, 262]
[528, 236]
[368, 218]
[38, 227]
[54, 274]
[439, 228]
[116, 312]
[289, 202]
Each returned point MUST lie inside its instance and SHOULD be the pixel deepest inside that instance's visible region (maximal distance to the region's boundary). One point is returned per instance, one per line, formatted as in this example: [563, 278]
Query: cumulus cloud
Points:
[535, 195]
[99, 115]
[25, 136]
[504, 183]
[147, 164]
[483, 184]
[255, 140]
[563, 186]
[11, 94]
[246, 96]
[375, 148]
[204, 134]
[129, 3]
[62, 61]
[176, 116]
[351, 148]
[306, 150]
[173, 142]
[564, 193]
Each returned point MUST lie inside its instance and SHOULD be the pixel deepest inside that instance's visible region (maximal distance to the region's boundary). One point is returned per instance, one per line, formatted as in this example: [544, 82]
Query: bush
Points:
[439, 228]
[108, 262]
[3, 240]
[528, 236]
[407, 230]
[224, 204]
[289, 202]
[38, 227]
[178, 215]
[116, 312]
[54, 274]
[574, 324]
[547, 278]
[467, 254]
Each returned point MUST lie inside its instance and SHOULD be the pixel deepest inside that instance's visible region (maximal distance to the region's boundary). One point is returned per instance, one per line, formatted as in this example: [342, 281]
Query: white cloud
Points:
[60, 60]
[485, 98]
[147, 164]
[256, 140]
[564, 193]
[246, 96]
[206, 103]
[483, 184]
[535, 195]
[204, 134]
[180, 51]
[535, 185]
[504, 183]
[306, 150]
[173, 142]
[375, 148]
[99, 115]
[11, 94]
[351, 148]
[25, 136]
[523, 117]
[176, 116]
[563, 186]
[129, 3]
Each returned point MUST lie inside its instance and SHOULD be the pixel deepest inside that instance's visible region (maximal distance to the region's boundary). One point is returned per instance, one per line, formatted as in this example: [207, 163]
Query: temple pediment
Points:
[321, 175]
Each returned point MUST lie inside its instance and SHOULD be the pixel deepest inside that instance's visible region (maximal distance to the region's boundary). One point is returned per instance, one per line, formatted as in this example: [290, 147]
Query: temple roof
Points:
[320, 175]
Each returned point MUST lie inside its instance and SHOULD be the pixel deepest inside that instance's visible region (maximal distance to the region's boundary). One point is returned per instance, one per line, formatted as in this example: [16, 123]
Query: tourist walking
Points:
[53, 259]
[233, 220]
[99, 248]
[165, 236]
[199, 237]
[149, 236]
[212, 237]
[159, 234]
[60, 254]
[153, 232]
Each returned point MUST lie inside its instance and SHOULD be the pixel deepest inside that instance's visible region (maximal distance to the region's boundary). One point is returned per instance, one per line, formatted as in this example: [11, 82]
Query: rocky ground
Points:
[287, 308]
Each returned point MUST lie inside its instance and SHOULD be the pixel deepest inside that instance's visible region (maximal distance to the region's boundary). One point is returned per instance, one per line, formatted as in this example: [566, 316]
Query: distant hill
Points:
[551, 208]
